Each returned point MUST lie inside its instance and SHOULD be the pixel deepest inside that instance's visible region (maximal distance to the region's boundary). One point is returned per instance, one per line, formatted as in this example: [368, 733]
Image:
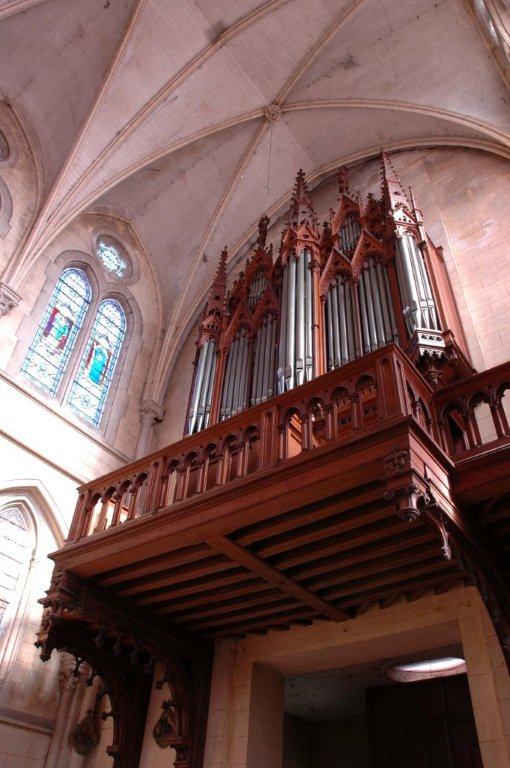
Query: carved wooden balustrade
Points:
[465, 419]
[338, 406]
[473, 415]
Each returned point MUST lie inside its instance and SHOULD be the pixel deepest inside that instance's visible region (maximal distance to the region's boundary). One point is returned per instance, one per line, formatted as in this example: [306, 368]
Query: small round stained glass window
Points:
[112, 255]
[4, 147]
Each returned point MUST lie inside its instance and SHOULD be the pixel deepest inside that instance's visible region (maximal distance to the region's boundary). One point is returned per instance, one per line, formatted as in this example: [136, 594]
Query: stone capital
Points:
[8, 298]
[151, 411]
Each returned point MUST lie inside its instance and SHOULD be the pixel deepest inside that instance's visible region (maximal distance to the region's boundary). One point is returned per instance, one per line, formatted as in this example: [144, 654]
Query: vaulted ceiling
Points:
[191, 118]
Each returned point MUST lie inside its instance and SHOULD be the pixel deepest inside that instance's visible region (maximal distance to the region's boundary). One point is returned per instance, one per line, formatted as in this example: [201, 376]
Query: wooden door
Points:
[427, 724]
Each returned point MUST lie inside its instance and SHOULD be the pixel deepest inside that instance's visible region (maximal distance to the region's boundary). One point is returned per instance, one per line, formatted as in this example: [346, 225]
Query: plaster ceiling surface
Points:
[334, 694]
[157, 110]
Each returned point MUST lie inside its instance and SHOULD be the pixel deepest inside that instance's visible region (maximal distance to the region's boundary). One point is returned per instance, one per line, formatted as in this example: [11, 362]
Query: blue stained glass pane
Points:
[47, 357]
[92, 383]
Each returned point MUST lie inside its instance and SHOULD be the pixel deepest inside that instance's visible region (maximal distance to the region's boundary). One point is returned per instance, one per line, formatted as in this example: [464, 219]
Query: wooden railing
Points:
[335, 408]
[474, 414]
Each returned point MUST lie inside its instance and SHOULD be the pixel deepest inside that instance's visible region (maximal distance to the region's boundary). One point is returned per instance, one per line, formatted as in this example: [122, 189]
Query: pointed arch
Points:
[30, 527]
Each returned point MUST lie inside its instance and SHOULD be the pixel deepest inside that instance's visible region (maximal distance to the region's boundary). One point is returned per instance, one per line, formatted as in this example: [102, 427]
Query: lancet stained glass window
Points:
[92, 383]
[54, 340]
[109, 251]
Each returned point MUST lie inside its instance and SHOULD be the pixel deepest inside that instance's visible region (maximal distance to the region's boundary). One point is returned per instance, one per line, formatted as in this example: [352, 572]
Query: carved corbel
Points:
[62, 597]
[409, 499]
[8, 299]
[413, 496]
[163, 731]
[85, 735]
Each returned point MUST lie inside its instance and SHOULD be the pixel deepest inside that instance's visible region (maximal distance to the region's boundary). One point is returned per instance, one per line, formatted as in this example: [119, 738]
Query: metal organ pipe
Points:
[339, 319]
[264, 359]
[377, 302]
[383, 286]
[344, 352]
[256, 362]
[419, 306]
[261, 337]
[308, 317]
[273, 352]
[336, 329]
[291, 326]
[236, 376]
[367, 286]
[202, 390]
[296, 353]
[203, 404]
[364, 317]
[351, 336]
[282, 347]
[300, 319]
[329, 333]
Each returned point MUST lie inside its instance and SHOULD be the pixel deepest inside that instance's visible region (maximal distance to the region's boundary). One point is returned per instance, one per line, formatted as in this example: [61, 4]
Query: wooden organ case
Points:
[368, 277]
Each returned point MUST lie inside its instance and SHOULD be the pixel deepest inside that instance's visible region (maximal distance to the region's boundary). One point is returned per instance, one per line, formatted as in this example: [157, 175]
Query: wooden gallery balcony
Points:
[359, 486]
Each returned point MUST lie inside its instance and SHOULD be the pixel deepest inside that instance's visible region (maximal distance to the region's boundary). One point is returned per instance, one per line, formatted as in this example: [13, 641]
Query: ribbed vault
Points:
[190, 119]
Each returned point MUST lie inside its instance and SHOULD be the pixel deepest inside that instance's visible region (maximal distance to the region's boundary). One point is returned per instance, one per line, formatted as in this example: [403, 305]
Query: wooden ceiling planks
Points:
[323, 560]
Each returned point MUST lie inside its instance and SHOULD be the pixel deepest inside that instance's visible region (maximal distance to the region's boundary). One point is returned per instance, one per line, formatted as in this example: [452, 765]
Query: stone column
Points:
[68, 682]
[263, 728]
[88, 702]
[150, 412]
[489, 686]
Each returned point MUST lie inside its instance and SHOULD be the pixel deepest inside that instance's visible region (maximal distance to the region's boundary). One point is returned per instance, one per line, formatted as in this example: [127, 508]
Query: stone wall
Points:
[458, 616]
[46, 450]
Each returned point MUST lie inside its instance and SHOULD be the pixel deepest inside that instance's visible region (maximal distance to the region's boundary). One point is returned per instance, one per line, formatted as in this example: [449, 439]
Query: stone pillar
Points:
[88, 701]
[265, 719]
[68, 682]
[8, 298]
[150, 412]
[489, 685]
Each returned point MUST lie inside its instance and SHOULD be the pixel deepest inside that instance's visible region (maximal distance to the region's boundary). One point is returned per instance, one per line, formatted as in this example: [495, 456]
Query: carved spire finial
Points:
[263, 224]
[220, 278]
[343, 180]
[301, 206]
[391, 187]
[213, 313]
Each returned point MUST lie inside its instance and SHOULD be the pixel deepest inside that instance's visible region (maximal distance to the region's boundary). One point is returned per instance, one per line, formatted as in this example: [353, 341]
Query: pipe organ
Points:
[332, 294]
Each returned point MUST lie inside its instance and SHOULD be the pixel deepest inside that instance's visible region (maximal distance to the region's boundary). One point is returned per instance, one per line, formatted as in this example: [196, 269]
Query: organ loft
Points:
[331, 462]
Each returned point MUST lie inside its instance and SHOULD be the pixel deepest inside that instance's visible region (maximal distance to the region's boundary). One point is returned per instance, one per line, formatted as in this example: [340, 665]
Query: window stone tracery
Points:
[112, 255]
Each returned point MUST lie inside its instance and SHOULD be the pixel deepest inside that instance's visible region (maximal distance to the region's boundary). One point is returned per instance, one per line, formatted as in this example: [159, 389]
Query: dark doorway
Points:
[427, 724]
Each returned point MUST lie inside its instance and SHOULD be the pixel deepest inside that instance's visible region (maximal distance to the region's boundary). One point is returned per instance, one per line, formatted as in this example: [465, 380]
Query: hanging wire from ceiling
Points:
[268, 187]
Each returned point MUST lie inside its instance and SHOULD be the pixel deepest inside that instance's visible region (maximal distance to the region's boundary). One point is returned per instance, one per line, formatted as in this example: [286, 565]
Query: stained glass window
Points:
[90, 387]
[110, 252]
[54, 340]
